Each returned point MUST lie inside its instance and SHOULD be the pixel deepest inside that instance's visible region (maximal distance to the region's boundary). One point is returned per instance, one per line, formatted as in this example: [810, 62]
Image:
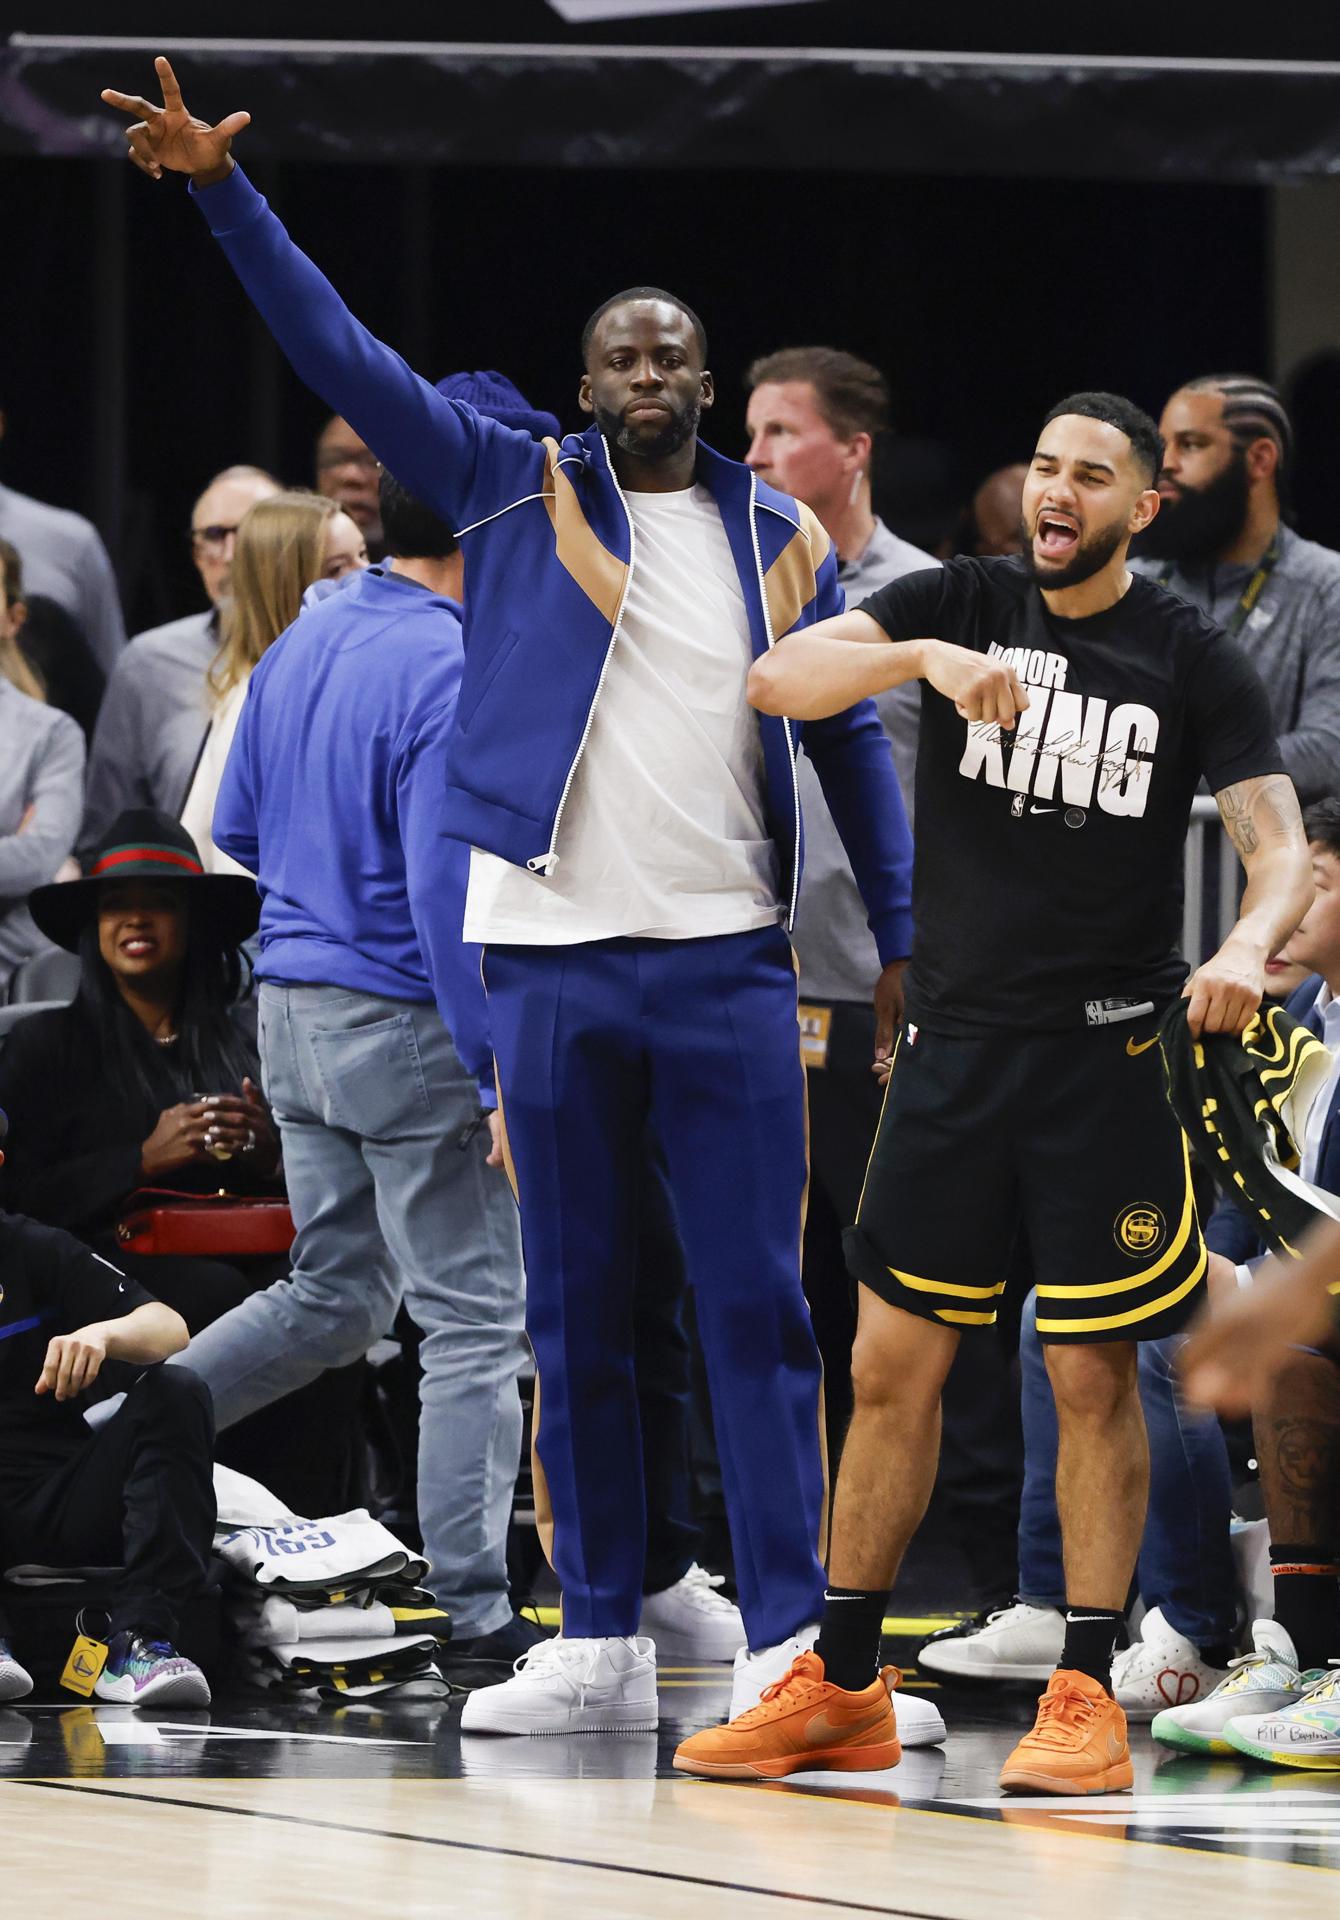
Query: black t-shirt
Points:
[1048, 870]
[50, 1283]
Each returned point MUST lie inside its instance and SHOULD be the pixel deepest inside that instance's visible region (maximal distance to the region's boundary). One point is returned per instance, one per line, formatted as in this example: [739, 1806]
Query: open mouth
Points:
[138, 947]
[1057, 534]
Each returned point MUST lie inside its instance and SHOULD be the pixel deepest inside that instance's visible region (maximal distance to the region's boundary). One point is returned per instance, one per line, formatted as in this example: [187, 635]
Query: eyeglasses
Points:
[365, 458]
[215, 537]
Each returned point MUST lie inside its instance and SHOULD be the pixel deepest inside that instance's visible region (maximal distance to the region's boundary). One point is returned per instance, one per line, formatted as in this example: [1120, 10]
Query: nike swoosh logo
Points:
[1044, 809]
[822, 1732]
[1116, 1749]
[1143, 1047]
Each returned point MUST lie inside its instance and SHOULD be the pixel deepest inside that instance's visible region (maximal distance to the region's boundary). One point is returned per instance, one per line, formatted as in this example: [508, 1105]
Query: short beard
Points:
[678, 430]
[1198, 523]
[1090, 558]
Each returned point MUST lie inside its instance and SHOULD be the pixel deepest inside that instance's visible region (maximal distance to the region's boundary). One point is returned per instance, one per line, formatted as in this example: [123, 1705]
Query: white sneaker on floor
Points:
[1162, 1669]
[572, 1686]
[16, 1683]
[693, 1620]
[1018, 1643]
[1264, 1682]
[753, 1672]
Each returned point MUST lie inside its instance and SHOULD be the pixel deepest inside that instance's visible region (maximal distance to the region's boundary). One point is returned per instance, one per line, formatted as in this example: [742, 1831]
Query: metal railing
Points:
[1212, 882]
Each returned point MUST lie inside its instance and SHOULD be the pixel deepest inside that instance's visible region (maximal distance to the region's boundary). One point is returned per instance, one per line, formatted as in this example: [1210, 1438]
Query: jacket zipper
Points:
[546, 862]
[786, 724]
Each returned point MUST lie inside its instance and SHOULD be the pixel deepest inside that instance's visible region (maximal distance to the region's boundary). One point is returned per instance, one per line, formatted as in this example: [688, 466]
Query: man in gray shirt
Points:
[1220, 542]
[64, 559]
[154, 713]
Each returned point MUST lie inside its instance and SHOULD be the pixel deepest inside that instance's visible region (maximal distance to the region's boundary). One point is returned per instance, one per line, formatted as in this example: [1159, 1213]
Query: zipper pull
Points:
[467, 1133]
[545, 864]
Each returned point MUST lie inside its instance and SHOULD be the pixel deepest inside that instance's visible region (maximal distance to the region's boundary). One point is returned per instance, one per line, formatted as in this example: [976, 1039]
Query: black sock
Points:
[849, 1636]
[1090, 1636]
[1217, 1653]
[1307, 1601]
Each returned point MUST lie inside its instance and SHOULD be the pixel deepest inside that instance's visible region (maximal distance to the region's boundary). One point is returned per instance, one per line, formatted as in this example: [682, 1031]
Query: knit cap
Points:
[493, 394]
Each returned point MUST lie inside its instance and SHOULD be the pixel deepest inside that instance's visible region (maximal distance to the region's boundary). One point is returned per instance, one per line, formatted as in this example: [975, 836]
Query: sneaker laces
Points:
[1244, 1665]
[559, 1658]
[1326, 1686]
[1065, 1715]
[701, 1590]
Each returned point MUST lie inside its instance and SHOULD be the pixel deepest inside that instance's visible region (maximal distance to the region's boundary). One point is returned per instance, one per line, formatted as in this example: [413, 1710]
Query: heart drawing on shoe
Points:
[1179, 1689]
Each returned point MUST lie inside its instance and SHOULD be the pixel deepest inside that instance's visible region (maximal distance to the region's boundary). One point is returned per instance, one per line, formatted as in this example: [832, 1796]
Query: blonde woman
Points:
[284, 544]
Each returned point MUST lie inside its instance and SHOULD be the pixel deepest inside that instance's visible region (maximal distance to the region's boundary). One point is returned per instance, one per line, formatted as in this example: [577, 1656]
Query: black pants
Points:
[981, 1458]
[139, 1494]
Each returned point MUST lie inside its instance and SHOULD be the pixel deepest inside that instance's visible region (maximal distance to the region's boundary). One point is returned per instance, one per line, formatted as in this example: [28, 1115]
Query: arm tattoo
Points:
[1259, 812]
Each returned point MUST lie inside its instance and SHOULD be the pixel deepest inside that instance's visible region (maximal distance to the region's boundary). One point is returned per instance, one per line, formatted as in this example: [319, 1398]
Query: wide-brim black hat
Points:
[142, 844]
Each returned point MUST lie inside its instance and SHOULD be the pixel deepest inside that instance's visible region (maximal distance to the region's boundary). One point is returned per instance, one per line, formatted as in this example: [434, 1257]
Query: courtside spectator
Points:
[346, 472]
[1221, 542]
[156, 710]
[62, 670]
[67, 562]
[995, 518]
[149, 1080]
[41, 789]
[1296, 1420]
[285, 543]
[374, 1036]
[136, 1494]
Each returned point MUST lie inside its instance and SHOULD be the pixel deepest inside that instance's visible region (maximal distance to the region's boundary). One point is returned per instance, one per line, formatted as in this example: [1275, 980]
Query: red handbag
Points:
[228, 1225]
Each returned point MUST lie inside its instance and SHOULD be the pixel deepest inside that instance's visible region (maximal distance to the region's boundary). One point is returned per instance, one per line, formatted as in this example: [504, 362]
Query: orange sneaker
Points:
[801, 1722]
[1078, 1742]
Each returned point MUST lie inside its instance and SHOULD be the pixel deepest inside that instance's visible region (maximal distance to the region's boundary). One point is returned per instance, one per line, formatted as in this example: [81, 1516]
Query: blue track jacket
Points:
[549, 546]
[332, 797]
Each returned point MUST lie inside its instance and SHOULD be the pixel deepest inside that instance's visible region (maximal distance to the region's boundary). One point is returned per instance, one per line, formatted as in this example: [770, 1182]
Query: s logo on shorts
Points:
[1140, 1230]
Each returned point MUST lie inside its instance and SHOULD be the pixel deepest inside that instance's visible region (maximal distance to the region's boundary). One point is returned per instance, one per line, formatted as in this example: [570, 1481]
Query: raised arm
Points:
[1262, 819]
[824, 669]
[461, 465]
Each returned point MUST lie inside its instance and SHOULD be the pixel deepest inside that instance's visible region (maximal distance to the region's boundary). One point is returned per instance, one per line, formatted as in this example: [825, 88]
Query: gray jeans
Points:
[371, 1102]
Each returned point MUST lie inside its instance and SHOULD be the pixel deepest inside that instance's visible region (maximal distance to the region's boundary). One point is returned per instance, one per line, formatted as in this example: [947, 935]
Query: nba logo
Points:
[1017, 807]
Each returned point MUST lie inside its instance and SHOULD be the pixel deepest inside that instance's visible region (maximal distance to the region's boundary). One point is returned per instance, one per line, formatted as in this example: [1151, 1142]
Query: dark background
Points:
[983, 299]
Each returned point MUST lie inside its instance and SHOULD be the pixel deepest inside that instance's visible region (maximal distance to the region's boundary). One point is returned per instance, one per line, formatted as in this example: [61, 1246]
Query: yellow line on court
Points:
[895, 1623]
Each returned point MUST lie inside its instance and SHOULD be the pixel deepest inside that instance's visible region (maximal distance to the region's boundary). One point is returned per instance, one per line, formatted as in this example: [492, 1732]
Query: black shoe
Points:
[490, 1657]
[962, 1628]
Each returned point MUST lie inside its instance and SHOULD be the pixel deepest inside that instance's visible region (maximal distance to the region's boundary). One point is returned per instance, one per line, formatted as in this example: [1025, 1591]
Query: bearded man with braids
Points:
[1221, 541]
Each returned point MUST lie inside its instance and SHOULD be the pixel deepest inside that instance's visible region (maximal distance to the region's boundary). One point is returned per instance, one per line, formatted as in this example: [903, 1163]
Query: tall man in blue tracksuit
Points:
[637, 853]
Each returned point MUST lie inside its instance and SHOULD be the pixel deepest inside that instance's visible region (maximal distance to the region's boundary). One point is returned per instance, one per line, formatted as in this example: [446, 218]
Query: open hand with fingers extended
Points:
[169, 139]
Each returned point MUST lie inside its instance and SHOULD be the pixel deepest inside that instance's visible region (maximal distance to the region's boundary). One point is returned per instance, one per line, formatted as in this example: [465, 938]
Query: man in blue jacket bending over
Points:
[637, 852]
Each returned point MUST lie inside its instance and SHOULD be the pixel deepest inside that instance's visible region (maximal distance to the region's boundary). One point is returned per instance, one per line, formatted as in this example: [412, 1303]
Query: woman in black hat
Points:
[149, 1080]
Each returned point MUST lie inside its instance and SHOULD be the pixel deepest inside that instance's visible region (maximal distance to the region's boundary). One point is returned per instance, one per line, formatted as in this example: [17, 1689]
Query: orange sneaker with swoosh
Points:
[801, 1722]
[1078, 1742]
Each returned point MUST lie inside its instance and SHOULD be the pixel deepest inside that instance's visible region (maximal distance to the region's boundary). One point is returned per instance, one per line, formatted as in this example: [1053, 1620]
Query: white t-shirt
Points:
[663, 833]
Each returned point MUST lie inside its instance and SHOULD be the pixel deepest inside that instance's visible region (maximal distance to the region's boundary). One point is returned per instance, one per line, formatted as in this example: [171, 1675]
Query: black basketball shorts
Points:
[1067, 1135]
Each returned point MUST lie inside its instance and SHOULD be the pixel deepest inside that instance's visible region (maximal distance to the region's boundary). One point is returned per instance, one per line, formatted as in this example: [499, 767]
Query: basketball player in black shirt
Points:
[1069, 711]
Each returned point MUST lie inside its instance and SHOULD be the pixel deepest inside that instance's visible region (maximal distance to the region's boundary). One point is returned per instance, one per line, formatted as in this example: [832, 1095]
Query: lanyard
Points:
[1251, 593]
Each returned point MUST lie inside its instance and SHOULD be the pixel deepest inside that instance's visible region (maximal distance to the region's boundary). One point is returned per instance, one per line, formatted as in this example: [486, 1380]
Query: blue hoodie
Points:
[332, 797]
[550, 550]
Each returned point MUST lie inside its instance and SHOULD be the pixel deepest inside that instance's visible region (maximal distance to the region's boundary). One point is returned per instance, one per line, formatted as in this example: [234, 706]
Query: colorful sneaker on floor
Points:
[16, 1683]
[572, 1686]
[693, 1620]
[1018, 1643]
[1163, 1669]
[1078, 1742]
[1263, 1682]
[1306, 1734]
[142, 1673]
[801, 1723]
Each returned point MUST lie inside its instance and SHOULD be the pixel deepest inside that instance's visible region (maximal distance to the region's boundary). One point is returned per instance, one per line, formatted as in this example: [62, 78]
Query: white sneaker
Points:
[571, 1686]
[693, 1620]
[1162, 1669]
[1018, 1643]
[753, 1672]
[1307, 1734]
[1262, 1683]
[16, 1683]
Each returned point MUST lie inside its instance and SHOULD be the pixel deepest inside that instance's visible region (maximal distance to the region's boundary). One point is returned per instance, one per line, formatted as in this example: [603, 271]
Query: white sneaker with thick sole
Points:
[1263, 1682]
[572, 1686]
[1018, 1643]
[1162, 1669]
[693, 1620]
[16, 1683]
[919, 1722]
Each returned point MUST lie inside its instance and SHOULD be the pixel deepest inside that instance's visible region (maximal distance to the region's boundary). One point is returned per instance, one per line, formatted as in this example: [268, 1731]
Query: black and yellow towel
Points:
[1243, 1101]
